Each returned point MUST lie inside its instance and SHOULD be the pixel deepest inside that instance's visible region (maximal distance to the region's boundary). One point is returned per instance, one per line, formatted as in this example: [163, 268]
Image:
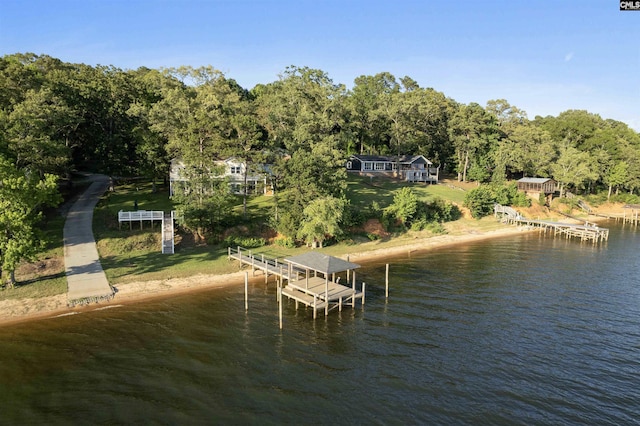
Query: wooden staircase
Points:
[168, 245]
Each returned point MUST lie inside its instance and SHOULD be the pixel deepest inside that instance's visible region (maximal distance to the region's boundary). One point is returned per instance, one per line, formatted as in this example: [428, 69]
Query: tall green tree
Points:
[321, 219]
[303, 115]
[23, 195]
[527, 151]
[367, 122]
[616, 177]
[472, 132]
[573, 168]
[36, 129]
[245, 139]
[195, 120]
[153, 159]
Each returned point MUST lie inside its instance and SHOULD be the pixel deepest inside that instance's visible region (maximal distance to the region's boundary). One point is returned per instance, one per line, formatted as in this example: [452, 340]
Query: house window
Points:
[235, 170]
[349, 165]
[368, 166]
[379, 166]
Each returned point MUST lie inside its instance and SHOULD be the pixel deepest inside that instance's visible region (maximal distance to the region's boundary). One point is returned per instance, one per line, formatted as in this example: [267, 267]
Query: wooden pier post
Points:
[353, 287]
[315, 309]
[348, 270]
[246, 291]
[326, 295]
[280, 306]
[386, 282]
[363, 287]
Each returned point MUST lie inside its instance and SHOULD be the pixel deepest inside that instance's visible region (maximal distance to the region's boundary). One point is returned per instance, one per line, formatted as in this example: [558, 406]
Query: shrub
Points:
[419, 224]
[521, 200]
[246, 242]
[353, 216]
[286, 242]
[440, 210]
[404, 206]
[480, 201]
[542, 200]
[625, 198]
[436, 228]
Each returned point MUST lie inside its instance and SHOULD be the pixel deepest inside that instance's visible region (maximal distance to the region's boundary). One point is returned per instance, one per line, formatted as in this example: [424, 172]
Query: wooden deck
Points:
[585, 232]
[318, 293]
[140, 216]
[269, 266]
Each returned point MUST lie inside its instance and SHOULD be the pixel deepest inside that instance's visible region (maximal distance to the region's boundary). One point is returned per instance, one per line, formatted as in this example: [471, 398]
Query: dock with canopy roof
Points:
[312, 278]
[318, 287]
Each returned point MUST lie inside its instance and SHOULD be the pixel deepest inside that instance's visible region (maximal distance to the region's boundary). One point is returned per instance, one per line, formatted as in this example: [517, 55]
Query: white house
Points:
[234, 172]
[414, 168]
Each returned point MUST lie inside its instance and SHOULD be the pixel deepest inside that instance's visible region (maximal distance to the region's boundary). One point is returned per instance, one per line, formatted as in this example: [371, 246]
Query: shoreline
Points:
[14, 311]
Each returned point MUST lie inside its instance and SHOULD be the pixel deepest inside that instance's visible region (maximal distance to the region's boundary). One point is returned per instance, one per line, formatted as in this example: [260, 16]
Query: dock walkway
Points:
[269, 266]
[585, 232]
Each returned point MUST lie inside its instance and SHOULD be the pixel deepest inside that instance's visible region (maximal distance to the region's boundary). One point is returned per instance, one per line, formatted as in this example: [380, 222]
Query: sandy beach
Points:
[20, 310]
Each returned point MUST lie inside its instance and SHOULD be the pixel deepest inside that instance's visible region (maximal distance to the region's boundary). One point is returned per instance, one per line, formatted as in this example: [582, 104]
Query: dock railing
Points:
[140, 216]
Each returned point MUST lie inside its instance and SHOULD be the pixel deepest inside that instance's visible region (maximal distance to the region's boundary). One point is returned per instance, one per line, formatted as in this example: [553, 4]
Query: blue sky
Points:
[543, 56]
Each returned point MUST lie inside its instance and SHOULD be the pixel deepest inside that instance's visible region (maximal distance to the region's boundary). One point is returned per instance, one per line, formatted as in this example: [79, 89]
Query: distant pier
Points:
[631, 215]
[585, 232]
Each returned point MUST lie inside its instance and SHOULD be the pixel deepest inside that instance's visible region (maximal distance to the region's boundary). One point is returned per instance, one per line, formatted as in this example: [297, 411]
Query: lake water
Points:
[522, 330]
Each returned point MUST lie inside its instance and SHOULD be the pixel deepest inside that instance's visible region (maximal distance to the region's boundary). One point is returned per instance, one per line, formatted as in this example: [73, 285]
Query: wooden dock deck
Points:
[318, 293]
[269, 266]
[585, 232]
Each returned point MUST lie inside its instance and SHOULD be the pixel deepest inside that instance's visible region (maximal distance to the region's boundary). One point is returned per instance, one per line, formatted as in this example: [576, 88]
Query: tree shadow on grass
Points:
[34, 280]
[149, 263]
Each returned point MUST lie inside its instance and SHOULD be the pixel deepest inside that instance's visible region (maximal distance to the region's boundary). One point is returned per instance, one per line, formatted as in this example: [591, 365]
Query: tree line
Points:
[58, 117]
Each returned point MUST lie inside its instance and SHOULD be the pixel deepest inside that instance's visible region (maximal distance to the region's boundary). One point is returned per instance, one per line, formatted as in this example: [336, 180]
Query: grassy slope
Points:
[134, 254]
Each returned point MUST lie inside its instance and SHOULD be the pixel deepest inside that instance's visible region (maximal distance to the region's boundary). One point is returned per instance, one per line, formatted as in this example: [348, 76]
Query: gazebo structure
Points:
[312, 282]
[534, 187]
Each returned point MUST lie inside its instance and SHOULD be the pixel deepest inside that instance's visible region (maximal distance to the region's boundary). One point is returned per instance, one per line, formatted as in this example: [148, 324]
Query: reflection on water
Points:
[524, 330]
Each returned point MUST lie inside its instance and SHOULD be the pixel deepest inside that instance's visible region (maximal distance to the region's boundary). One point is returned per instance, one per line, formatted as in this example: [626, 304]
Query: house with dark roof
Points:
[411, 168]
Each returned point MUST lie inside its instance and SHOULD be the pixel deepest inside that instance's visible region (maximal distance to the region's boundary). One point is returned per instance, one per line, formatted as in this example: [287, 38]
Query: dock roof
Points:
[321, 262]
[534, 180]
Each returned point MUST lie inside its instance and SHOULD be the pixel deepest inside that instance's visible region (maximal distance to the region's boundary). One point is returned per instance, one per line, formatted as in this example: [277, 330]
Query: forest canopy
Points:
[57, 118]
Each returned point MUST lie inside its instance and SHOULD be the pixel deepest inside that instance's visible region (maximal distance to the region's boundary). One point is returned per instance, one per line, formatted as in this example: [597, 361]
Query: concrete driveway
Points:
[86, 279]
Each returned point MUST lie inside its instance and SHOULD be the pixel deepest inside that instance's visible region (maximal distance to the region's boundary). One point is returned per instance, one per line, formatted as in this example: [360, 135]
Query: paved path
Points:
[85, 278]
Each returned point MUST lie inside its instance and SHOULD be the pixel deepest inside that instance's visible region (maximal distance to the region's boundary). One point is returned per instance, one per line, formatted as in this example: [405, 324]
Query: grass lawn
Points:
[362, 191]
[134, 254]
[45, 276]
[131, 252]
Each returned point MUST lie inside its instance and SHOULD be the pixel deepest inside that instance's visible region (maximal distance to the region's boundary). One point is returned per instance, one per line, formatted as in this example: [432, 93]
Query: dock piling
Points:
[363, 287]
[246, 291]
[280, 305]
[386, 282]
